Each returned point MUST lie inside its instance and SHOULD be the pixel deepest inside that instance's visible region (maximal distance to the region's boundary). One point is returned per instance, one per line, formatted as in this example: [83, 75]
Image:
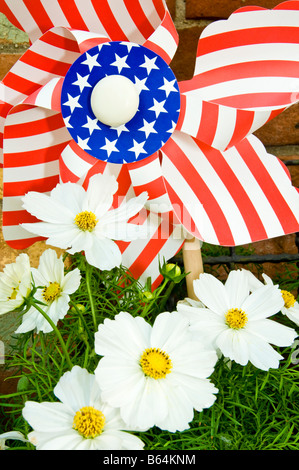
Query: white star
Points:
[120, 63]
[82, 82]
[120, 129]
[137, 148]
[129, 45]
[67, 122]
[140, 84]
[168, 86]
[148, 128]
[91, 125]
[83, 143]
[110, 146]
[149, 64]
[172, 128]
[73, 102]
[158, 107]
[91, 61]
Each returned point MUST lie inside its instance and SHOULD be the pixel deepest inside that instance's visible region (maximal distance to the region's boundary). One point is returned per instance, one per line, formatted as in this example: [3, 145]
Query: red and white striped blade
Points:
[129, 20]
[229, 198]
[146, 175]
[246, 72]
[34, 138]
[142, 256]
[44, 62]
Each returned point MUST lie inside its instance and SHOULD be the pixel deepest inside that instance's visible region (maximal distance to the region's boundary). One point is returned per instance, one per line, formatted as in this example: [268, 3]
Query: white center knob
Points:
[114, 100]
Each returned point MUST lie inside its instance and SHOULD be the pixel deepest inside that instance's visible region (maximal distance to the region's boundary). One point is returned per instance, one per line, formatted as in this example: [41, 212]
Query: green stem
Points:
[157, 294]
[57, 332]
[166, 296]
[90, 296]
[81, 316]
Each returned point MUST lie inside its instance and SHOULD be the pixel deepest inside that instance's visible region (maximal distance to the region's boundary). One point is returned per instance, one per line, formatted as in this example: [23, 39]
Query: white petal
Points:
[193, 359]
[77, 388]
[29, 321]
[16, 435]
[65, 440]
[126, 210]
[71, 281]
[60, 236]
[46, 208]
[124, 335]
[233, 345]
[169, 331]
[10, 306]
[51, 267]
[189, 312]
[81, 241]
[70, 195]
[140, 411]
[200, 393]
[48, 416]
[179, 413]
[120, 383]
[263, 303]
[99, 195]
[273, 332]
[292, 313]
[58, 308]
[208, 327]
[261, 354]
[212, 293]
[122, 231]
[127, 441]
[253, 282]
[104, 254]
[237, 287]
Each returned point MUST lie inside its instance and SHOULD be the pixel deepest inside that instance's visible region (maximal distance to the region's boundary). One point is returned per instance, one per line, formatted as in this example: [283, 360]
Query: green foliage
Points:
[254, 410]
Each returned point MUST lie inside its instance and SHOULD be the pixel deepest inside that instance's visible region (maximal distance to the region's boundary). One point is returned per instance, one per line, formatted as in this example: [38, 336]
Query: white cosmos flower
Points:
[54, 289]
[290, 307]
[156, 374]
[80, 420]
[15, 284]
[237, 322]
[77, 220]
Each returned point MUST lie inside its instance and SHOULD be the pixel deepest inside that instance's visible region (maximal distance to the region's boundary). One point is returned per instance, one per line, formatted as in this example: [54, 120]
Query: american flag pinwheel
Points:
[190, 145]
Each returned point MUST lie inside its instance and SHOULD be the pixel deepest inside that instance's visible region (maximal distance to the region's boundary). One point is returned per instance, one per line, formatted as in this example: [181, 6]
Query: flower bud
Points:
[147, 296]
[23, 384]
[172, 272]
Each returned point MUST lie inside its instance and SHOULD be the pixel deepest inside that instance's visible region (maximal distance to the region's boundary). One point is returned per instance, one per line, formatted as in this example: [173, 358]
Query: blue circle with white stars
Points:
[157, 114]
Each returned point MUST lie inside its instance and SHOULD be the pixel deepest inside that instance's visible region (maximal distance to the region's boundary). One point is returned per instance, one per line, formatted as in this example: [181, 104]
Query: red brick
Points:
[6, 62]
[293, 169]
[171, 7]
[221, 8]
[7, 384]
[184, 60]
[283, 129]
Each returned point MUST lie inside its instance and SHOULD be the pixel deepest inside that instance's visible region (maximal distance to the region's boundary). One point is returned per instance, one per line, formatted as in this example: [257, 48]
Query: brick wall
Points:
[280, 136]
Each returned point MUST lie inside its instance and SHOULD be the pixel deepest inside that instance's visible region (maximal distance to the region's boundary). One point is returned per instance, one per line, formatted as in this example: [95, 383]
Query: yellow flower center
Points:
[155, 363]
[51, 292]
[14, 293]
[236, 318]
[86, 221]
[89, 422]
[289, 299]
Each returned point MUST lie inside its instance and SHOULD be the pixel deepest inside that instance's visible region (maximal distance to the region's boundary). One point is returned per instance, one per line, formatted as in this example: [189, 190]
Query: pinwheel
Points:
[95, 93]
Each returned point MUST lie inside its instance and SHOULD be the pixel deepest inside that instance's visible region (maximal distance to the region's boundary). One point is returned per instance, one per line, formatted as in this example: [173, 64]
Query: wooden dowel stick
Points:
[192, 263]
